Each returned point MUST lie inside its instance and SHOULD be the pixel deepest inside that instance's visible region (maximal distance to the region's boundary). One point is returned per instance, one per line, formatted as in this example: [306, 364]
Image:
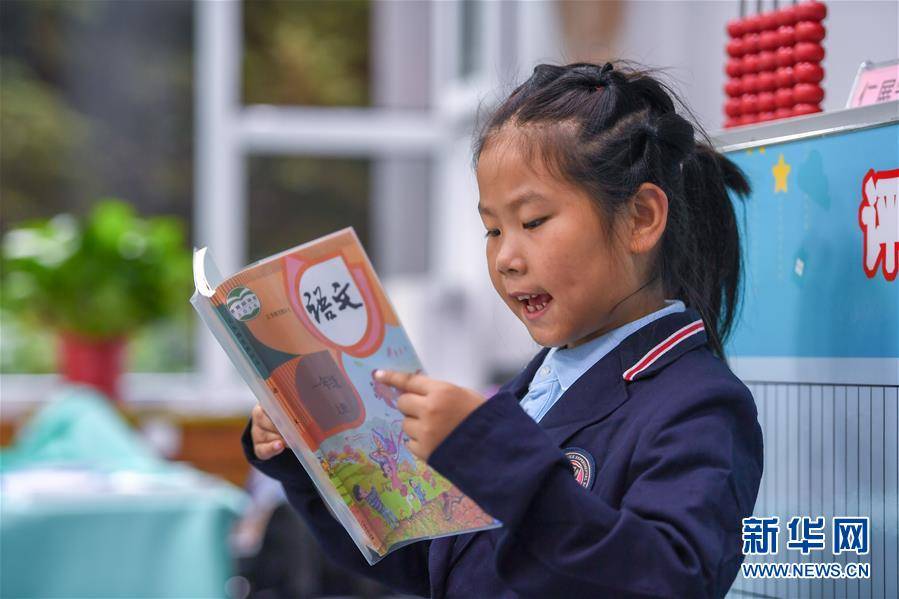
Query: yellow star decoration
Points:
[780, 172]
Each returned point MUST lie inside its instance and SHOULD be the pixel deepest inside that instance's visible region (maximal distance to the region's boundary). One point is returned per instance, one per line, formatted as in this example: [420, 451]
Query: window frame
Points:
[227, 133]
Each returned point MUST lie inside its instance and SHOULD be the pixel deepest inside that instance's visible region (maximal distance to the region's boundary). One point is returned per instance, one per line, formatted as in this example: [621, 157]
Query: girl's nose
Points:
[509, 260]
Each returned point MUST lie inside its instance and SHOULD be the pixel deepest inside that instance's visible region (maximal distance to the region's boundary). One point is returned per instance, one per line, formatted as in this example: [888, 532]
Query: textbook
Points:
[306, 329]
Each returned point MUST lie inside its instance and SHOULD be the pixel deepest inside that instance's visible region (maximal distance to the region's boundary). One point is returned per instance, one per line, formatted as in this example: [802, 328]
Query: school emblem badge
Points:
[582, 465]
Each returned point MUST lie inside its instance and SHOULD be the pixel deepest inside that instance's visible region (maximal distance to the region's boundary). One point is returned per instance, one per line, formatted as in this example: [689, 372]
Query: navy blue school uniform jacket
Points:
[634, 484]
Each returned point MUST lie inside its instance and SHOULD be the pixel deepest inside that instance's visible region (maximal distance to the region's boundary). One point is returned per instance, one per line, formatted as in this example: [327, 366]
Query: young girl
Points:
[622, 459]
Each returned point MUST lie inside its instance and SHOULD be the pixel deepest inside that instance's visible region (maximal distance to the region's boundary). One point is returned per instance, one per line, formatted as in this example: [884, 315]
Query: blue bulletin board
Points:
[813, 301]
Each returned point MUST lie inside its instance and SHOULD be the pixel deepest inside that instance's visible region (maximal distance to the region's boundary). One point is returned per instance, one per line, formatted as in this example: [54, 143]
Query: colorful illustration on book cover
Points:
[324, 327]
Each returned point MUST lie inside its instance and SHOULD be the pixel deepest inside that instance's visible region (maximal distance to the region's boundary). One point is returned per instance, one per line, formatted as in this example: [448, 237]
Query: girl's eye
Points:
[534, 223]
[492, 233]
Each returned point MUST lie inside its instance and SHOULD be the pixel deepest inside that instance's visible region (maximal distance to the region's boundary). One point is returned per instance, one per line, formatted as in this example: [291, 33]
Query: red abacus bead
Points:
[731, 122]
[784, 77]
[807, 93]
[732, 107]
[786, 35]
[751, 24]
[784, 56]
[769, 40]
[750, 83]
[750, 42]
[783, 113]
[800, 109]
[765, 101]
[748, 119]
[783, 98]
[811, 11]
[808, 72]
[767, 115]
[808, 52]
[766, 82]
[786, 15]
[735, 28]
[750, 63]
[733, 87]
[767, 60]
[735, 48]
[734, 67]
[749, 104]
[809, 31]
[767, 20]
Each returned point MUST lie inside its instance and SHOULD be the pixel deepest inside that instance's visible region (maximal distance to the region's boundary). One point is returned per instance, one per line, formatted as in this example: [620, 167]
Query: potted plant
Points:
[96, 281]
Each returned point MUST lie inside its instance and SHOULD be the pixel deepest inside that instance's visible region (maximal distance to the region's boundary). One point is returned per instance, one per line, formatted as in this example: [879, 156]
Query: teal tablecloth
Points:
[87, 511]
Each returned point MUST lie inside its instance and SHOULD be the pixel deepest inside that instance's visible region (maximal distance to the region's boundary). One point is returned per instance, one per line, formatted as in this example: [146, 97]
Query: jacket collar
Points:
[604, 386]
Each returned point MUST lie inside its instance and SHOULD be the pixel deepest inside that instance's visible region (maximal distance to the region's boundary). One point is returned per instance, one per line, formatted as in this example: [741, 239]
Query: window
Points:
[79, 122]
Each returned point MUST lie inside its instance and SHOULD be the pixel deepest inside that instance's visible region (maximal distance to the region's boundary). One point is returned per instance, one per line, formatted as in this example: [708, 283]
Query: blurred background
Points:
[133, 131]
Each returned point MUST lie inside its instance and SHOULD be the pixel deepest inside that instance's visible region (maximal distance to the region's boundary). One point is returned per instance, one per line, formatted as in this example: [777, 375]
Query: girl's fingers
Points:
[415, 448]
[412, 428]
[261, 436]
[410, 404]
[404, 381]
[261, 419]
[265, 451]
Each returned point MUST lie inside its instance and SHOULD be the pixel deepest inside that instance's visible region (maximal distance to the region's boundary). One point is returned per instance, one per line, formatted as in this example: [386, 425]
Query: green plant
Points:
[100, 277]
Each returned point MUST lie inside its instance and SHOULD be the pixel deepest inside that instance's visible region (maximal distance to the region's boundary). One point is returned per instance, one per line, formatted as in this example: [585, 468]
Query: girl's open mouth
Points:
[535, 305]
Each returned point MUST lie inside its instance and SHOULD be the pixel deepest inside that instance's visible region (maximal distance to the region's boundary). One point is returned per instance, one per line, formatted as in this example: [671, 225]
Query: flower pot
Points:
[94, 362]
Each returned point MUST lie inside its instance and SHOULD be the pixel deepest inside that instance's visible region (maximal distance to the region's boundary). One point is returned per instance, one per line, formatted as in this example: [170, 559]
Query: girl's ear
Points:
[648, 218]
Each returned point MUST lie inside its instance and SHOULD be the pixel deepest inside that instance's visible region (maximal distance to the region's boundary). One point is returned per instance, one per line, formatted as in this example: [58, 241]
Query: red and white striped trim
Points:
[663, 348]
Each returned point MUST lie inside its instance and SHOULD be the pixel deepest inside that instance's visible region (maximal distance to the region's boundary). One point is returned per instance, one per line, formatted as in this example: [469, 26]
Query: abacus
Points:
[774, 63]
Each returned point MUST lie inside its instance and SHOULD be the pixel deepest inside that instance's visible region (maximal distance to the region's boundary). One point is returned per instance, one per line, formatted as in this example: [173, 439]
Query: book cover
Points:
[306, 329]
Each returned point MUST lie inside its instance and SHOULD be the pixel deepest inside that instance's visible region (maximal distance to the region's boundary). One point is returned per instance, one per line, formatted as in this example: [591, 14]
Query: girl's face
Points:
[545, 238]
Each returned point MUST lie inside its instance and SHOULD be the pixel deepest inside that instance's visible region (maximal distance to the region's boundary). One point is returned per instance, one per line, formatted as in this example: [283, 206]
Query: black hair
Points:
[609, 129]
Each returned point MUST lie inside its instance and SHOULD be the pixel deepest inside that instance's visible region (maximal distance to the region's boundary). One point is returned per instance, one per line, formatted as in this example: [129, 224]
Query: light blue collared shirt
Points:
[562, 367]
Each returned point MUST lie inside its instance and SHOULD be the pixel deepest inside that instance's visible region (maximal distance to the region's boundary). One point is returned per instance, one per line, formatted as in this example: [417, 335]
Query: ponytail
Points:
[707, 270]
[628, 132]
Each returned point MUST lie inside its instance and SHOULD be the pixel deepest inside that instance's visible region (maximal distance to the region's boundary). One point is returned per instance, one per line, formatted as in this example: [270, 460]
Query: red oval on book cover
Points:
[766, 116]
[734, 67]
[359, 333]
[748, 119]
[732, 107]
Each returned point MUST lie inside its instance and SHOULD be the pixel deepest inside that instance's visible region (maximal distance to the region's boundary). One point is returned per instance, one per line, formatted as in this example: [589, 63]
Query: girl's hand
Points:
[267, 441]
[432, 408]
